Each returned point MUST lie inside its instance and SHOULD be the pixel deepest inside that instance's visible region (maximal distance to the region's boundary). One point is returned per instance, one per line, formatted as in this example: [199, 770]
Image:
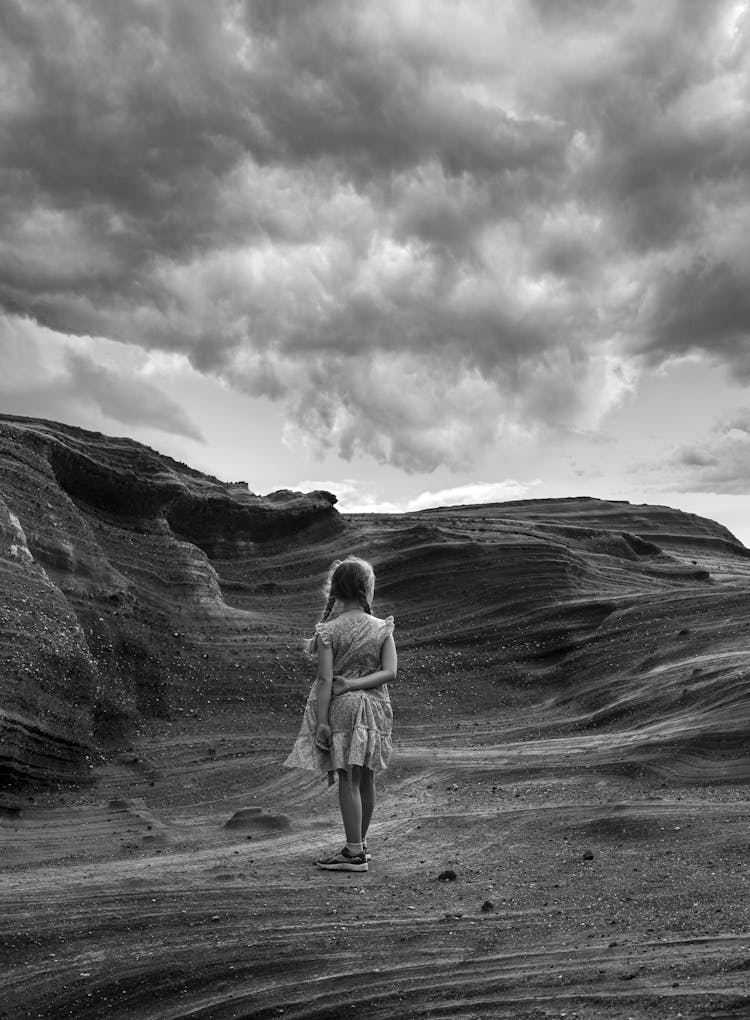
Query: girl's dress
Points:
[361, 721]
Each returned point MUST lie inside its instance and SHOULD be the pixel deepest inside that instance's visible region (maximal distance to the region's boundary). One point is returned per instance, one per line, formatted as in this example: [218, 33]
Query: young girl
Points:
[348, 717]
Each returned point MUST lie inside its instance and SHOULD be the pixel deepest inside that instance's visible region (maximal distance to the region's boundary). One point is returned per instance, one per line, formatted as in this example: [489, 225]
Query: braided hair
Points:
[352, 579]
[329, 608]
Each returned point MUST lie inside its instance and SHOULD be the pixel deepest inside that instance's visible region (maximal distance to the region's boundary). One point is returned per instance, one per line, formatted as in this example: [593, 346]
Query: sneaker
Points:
[344, 861]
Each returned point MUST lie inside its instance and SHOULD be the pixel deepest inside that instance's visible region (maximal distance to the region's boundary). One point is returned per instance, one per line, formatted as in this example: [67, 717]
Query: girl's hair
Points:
[351, 579]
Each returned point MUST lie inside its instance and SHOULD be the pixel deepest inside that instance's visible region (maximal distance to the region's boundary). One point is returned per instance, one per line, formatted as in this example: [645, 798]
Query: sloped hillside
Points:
[630, 618]
[134, 588]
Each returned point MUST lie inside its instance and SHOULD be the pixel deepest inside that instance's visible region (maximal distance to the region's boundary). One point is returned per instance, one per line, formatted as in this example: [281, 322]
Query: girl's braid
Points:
[329, 607]
[363, 601]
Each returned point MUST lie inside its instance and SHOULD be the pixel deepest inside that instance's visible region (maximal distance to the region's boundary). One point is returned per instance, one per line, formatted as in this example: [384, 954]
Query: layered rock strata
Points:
[134, 588]
[108, 595]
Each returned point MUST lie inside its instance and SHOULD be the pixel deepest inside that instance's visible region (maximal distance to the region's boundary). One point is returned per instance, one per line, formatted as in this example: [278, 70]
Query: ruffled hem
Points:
[307, 755]
[366, 747]
[361, 735]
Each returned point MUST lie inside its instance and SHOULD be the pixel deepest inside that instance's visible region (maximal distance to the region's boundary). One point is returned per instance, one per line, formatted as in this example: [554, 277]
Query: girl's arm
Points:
[325, 681]
[385, 675]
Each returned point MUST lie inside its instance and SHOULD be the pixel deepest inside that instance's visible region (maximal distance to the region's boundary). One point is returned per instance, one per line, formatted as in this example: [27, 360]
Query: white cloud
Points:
[360, 497]
[478, 492]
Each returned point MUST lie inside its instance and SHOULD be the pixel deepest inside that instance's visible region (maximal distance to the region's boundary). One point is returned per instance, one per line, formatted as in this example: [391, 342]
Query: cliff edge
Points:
[107, 588]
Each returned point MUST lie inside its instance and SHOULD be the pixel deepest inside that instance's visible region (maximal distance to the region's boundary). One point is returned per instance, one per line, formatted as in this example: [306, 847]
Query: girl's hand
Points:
[340, 685]
[323, 737]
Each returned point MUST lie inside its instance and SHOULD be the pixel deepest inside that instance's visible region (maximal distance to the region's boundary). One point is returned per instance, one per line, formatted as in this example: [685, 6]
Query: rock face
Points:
[133, 588]
[628, 619]
[108, 591]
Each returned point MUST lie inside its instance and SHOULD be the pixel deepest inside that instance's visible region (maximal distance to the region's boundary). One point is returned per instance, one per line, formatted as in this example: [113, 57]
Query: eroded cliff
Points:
[112, 610]
[134, 588]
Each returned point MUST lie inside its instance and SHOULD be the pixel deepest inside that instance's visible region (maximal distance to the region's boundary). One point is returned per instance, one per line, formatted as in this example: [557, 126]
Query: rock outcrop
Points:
[108, 590]
[134, 588]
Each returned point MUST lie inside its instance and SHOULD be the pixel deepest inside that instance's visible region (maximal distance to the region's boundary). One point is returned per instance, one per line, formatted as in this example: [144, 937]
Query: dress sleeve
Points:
[323, 633]
[387, 629]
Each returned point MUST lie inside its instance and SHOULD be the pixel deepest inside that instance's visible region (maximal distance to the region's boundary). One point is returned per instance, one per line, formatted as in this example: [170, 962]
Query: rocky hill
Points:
[133, 588]
[112, 609]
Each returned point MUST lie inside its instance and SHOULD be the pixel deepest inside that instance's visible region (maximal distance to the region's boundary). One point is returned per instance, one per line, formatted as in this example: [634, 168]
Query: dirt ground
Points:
[516, 872]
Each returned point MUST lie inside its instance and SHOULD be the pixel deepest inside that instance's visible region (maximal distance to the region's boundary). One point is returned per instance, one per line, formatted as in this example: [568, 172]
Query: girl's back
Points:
[356, 639]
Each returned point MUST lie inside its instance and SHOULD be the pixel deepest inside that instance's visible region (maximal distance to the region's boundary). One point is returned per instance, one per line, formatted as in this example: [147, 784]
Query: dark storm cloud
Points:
[705, 306]
[330, 84]
[383, 213]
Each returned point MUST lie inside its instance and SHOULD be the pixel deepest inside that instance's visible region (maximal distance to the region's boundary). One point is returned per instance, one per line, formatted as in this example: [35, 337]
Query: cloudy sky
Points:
[413, 251]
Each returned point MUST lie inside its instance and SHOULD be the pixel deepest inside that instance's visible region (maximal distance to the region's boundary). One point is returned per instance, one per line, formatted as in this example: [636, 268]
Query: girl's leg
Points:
[367, 797]
[350, 803]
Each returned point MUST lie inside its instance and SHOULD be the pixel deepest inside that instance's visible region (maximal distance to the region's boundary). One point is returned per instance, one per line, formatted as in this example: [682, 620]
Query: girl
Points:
[348, 717]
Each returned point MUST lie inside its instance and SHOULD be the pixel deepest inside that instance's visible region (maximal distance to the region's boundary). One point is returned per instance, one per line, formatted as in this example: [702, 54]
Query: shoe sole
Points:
[342, 867]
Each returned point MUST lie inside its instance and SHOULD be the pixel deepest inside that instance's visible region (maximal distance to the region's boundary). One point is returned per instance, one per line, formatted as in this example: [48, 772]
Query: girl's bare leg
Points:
[350, 803]
[367, 797]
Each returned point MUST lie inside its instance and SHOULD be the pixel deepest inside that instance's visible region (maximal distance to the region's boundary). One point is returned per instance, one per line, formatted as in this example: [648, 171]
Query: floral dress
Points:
[361, 721]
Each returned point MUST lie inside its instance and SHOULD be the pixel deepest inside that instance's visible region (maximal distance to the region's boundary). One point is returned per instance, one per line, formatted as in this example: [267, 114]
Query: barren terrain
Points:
[564, 831]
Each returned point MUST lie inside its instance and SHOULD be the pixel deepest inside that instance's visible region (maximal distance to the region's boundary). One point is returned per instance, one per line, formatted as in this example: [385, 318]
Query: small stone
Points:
[449, 875]
[588, 855]
[487, 906]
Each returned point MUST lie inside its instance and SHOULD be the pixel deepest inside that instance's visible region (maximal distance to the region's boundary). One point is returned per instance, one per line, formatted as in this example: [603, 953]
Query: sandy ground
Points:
[581, 890]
